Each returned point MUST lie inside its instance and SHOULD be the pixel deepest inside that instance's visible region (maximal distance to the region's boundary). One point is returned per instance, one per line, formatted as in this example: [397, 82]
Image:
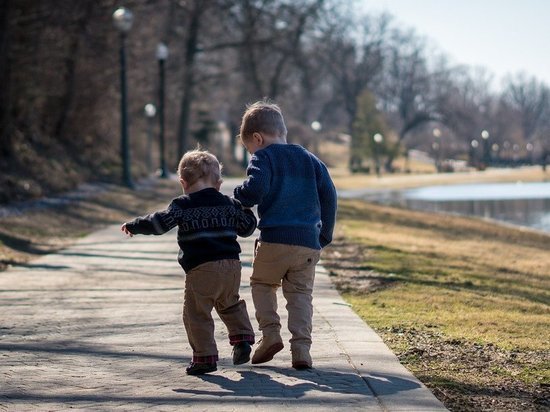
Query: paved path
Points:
[98, 327]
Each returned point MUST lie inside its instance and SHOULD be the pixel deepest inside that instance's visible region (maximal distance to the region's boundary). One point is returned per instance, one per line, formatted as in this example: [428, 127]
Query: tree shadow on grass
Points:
[21, 245]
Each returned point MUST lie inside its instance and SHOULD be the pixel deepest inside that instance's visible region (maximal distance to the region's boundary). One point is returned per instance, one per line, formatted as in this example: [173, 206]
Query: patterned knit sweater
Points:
[295, 196]
[208, 224]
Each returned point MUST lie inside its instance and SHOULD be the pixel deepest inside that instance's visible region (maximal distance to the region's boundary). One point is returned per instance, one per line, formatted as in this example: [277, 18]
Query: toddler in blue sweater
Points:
[297, 209]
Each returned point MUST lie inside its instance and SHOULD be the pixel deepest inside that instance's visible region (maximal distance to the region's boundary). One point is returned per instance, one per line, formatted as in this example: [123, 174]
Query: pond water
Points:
[524, 204]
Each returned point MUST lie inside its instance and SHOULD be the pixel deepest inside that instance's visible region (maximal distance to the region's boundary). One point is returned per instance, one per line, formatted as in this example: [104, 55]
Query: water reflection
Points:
[525, 205]
[534, 213]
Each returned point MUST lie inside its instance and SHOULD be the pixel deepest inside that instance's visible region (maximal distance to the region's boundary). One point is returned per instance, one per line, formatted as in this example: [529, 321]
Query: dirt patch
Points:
[347, 273]
[465, 376]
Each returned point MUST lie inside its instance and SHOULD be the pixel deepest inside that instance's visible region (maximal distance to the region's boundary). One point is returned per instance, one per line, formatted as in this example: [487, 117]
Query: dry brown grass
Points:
[464, 303]
[45, 230]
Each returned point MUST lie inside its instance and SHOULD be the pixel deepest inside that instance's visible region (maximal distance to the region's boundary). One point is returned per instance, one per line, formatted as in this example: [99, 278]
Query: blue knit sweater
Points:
[295, 196]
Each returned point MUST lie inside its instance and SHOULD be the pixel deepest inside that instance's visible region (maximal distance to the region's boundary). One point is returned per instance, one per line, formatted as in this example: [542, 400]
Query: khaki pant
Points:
[294, 268]
[214, 285]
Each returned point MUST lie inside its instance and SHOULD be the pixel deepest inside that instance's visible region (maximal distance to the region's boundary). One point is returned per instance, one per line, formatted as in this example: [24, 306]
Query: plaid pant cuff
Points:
[205, 359]
[233, 339]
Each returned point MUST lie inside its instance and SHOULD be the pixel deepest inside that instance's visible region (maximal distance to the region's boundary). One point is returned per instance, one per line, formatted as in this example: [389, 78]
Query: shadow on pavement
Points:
[63, 348]
[256, 383]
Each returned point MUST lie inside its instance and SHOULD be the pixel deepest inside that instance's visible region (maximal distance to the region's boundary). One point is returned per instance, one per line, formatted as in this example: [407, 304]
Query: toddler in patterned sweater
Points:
[208, 224]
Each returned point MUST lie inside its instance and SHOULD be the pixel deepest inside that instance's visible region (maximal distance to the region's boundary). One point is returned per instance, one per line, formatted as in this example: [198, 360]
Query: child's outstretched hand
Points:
[125, 230]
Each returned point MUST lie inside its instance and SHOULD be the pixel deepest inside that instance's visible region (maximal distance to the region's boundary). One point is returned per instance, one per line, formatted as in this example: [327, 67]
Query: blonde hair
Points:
[262, 117]
[199, 164]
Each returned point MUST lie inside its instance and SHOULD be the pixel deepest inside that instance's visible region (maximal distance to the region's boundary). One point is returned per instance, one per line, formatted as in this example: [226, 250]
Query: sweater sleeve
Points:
[256, 186]
[156, 223]
[328, 199]
[246, 221]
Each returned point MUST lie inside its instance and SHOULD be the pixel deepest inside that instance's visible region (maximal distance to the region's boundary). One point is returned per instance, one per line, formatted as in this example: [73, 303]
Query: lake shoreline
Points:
[526, 208]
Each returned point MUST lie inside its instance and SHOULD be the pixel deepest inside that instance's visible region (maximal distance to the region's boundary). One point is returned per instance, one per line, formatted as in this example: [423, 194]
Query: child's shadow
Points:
[255, 383]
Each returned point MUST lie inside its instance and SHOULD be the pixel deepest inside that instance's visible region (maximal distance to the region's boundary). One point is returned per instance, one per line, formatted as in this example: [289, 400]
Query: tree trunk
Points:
[70, 72]
[5, 101]
[189, 77]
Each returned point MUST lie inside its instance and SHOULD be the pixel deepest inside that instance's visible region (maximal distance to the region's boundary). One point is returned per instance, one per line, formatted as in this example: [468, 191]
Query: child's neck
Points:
[198, 186]
[269, 140]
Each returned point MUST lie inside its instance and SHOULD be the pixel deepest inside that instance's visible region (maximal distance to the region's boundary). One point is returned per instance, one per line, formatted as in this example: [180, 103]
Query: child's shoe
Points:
[241, 353]
[200, 368]
[301, 359]
[269, 346]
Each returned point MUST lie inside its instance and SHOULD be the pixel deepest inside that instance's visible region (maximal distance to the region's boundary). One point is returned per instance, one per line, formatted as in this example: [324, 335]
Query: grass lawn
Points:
[464, 303]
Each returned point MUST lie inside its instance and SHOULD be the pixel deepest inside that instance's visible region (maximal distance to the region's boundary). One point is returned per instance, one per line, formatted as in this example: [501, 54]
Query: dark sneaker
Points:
[241, 353]
[301, 365]
[301, 359]
[200, 368]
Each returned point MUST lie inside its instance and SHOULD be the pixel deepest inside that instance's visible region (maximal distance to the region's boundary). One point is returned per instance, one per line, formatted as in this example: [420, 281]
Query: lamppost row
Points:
[123, 20]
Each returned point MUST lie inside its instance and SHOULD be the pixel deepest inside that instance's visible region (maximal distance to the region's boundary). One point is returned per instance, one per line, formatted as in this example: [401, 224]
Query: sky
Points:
[504, 36]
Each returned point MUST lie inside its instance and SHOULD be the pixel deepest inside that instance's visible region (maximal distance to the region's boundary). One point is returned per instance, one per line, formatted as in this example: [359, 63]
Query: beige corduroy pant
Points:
[214, 285]
[293, 267]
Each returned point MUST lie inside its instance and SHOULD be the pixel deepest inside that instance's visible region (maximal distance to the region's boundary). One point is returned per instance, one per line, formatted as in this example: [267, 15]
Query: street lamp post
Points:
[485, 137]
[436, 145]
[530, 147]
[123, 19]
[473, 146]
[316, 127]
[162, 55]
[495, 152]
[150, 111]
[378, 138]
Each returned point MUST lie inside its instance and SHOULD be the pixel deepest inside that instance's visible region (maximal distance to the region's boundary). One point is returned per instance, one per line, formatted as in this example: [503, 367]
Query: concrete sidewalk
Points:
[98, 327]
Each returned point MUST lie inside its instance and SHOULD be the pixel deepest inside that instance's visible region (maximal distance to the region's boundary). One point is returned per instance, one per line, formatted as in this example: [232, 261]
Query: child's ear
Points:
[258, 138]
[219, 184]
[184, 184]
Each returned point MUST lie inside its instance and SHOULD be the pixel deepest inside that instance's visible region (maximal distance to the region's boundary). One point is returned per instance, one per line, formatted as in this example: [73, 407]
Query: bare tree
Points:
[354, 58]
[531, 99]
[544, 138]
[465, 105]
[270, 38]
[195, 11]
[407, 88]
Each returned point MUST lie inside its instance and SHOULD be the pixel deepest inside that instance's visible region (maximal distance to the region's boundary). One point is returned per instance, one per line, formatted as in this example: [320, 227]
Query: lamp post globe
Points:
[316, 126]
[162, 51]
[122, 20]
[150, 110]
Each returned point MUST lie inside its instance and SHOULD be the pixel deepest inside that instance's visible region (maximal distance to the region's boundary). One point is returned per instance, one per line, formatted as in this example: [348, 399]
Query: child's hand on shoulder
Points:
[125, 230]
